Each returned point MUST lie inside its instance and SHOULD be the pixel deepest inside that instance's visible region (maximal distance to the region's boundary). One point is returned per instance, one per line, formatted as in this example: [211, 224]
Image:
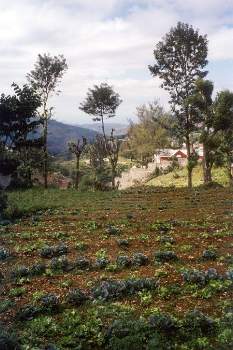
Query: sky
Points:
[108, 41]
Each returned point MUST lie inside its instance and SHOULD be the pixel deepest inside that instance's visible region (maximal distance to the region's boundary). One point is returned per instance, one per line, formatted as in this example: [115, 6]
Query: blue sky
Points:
[108, 40]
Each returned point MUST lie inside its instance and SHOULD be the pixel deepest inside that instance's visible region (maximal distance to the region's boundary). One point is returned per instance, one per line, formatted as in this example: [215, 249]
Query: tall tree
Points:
[180, 59]
[19, 125]
[44, 78]
[153, 131]
[203, 110]
[77, 149]
[101, 102]
[224, 125]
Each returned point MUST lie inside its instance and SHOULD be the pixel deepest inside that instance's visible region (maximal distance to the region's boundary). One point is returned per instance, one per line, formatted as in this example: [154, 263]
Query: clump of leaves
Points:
[4, 253]
[20, 271]
[49, 303]
[82, 263]
[165, 256]
[123, 261]
[209, 255]
[123, 242]
[8, 341]
[28, 312]
[37, 269]
[139, 259]
[112, 230]
[163, 322]
[56, 250]
[76, 297]
[61, 264]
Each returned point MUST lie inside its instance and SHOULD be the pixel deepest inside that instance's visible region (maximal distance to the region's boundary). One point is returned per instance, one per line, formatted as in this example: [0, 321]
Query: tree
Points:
[19, 123]
[203, 110]
[180, 59]
[224, 124]
[45, 78]
[101, 102]
[77, 149]
[152, 131]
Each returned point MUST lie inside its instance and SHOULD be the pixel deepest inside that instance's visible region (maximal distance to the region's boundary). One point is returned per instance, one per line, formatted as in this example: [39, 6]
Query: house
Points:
[164, 157]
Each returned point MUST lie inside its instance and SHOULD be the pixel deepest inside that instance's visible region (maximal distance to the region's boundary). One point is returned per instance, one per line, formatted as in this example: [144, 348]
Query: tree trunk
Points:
[113, 177]
[207, 166]
[45, 152]
[190, 170]
[77, 173]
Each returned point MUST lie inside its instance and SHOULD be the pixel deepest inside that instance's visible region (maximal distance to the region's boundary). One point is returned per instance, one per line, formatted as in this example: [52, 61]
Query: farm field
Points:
[147, 268]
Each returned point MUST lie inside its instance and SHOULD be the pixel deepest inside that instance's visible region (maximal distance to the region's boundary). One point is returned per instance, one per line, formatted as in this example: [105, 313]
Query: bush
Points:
[163, 322]
[27, 313]
[139, 259]
[3, 202]
[123, 242]
[37, 269]
[4, 253]
[76, 297]
[8, 341]
[61, 264]
[112, 230]
[82, 263]
[20, 271]
[165, 256]
[56, 250]
[196, 323]
[101, 263]
[209, 255]
[49, 303]
[123, 261]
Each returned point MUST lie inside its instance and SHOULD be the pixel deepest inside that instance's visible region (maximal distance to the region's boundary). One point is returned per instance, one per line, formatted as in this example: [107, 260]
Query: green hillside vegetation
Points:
[178, 178]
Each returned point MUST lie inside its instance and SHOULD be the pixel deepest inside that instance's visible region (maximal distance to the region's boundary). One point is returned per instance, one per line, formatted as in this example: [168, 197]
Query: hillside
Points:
[119, 129]
[103, 271]
[60, 134]
[178, 178]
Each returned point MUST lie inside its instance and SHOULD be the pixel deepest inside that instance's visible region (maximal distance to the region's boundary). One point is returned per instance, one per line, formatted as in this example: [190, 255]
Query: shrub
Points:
[165, 256]
[163, 322]
[209, 255]
[61, 264]
[82, 263]
[101, 263]
[49, 302]
[57, 250]
[20, 271]
[8, 341]
[196, 323]
[113, 289]
[112, 230]
[76, 297]
[37, 269]
[167, 239]
[123, 242]
[139, 259]
[4, 253]
[3, 202]
[123, 261]
[229, 275]
[28, 312]
[194, 276]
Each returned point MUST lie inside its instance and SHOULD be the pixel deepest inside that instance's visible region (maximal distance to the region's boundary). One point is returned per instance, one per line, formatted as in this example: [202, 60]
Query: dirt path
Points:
[135, 176]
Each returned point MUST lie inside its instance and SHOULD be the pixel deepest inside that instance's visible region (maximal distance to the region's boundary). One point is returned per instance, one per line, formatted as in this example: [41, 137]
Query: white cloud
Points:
[104, 40]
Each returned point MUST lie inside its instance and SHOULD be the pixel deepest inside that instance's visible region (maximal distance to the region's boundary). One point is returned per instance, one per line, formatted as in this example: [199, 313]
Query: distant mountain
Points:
[59, 134]
[119, 129]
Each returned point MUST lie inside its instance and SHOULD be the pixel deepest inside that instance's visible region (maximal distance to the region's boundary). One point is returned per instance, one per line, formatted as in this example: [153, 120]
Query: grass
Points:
[178, 178]
[86, 227]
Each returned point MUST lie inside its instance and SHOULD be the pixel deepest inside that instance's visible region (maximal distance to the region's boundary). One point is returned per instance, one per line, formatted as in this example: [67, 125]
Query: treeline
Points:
[180, 63]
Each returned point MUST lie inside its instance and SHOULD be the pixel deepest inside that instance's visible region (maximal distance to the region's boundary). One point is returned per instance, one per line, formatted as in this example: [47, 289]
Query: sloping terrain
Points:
[141, 269]
[59, 134]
